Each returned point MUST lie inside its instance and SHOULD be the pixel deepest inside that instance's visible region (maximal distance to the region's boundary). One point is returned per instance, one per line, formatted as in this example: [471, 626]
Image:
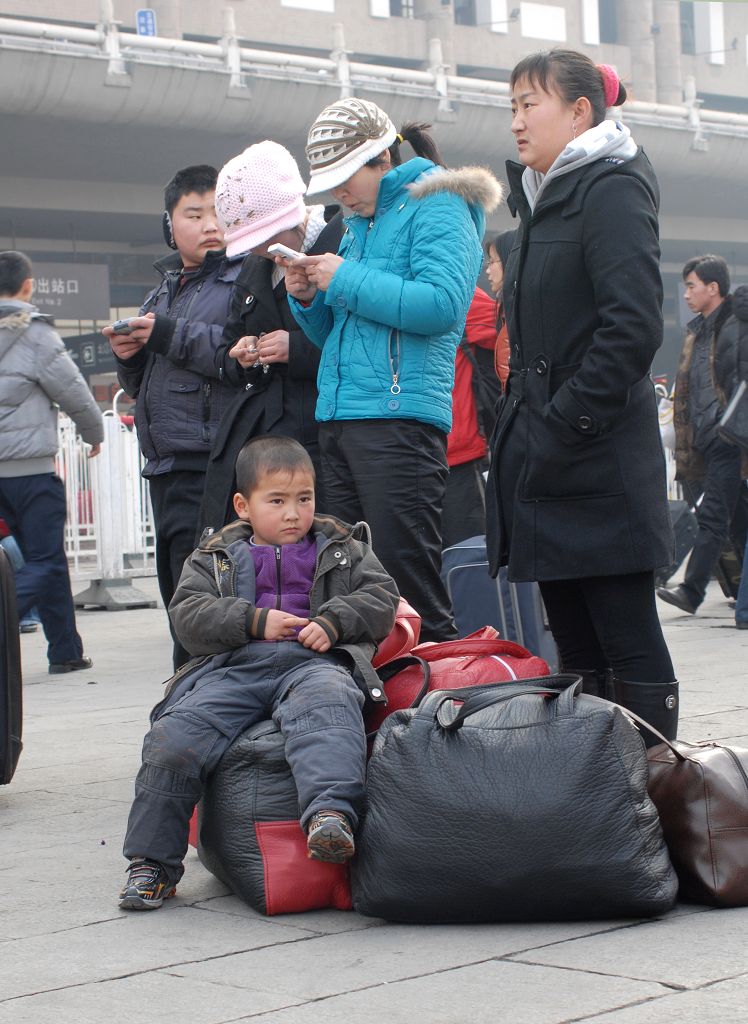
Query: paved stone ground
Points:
[67, 954]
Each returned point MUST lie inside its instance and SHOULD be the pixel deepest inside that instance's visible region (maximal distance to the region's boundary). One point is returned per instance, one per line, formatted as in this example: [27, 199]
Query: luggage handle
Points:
[650, 728]
[472, 705]
[391, 669]
[467, 648]
[563, 687]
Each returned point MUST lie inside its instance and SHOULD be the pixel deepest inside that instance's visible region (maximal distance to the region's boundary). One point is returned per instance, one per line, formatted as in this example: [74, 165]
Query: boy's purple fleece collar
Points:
[283, 575]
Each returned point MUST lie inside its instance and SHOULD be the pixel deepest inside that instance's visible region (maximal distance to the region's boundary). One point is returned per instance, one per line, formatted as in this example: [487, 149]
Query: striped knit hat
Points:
[345, 136]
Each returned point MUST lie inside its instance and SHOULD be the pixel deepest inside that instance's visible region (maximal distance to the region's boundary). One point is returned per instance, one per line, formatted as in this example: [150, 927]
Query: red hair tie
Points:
[611, 84]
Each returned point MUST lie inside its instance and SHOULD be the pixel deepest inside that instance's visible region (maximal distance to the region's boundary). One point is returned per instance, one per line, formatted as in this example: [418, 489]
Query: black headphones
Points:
[167, 230]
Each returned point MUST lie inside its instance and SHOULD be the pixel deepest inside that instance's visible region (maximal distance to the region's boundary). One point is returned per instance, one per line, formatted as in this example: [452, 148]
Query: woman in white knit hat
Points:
[388, 312]
[259, 201]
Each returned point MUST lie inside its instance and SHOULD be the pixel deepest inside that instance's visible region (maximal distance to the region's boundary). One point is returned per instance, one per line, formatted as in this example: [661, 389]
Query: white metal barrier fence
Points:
[109, 535]
[667, 434]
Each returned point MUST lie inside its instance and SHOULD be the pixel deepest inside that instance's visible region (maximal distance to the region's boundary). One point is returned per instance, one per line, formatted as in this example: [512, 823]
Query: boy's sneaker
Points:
[147, 886]
[330, 837]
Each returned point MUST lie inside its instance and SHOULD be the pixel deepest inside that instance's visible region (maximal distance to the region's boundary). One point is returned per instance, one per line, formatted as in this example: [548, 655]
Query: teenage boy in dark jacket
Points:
[706, 379]
[281, 605]
[167, 363]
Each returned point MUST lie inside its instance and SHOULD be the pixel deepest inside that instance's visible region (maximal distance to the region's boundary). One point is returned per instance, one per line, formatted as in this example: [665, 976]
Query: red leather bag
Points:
[403, 637]
[478, 659]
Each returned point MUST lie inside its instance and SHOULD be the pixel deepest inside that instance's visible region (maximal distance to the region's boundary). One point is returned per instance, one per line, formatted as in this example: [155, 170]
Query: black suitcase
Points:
[11, 706]
[685, 528]
[515, 609]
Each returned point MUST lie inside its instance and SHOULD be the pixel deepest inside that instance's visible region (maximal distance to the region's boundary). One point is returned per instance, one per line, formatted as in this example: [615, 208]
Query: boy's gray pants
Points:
[312, 699]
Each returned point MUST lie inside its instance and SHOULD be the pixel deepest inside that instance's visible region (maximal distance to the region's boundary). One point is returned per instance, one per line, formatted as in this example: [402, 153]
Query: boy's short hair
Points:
[709, 268]
[15, 268]
[200, 179]
[269, 454]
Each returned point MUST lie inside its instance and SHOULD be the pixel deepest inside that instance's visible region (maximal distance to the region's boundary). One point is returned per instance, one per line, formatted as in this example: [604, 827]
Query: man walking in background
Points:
[704, 384]
[36, 376]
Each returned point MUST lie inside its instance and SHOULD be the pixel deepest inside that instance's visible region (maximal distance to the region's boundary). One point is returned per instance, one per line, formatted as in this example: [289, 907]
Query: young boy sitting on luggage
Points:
[275, 604]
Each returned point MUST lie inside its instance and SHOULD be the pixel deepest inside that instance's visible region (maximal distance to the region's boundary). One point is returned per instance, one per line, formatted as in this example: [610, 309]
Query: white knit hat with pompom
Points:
[258, 194]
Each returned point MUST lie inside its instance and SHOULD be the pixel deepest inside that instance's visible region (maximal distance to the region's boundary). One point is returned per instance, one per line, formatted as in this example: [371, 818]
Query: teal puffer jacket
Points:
[393, 315]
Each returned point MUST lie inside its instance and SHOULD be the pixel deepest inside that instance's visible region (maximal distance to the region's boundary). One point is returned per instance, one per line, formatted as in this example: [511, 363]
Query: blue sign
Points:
[145, 20]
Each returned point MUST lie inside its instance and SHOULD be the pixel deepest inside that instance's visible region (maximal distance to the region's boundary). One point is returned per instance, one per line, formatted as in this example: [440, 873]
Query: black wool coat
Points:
[577, 484]
[282, 400]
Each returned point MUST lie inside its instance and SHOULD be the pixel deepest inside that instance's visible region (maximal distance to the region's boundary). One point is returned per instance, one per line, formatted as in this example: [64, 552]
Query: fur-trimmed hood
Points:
[14, 319]
[476, 185]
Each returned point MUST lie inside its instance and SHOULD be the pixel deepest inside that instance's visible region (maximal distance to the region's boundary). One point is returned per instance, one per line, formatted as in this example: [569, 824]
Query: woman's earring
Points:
[574, 129]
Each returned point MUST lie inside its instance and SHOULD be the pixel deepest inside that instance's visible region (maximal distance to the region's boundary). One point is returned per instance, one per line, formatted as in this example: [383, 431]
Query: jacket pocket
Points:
[566, 467]
[183, 415]
[365, 357]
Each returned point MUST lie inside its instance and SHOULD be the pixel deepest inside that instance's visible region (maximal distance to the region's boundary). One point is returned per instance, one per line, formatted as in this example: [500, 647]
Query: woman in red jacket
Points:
[464, 513]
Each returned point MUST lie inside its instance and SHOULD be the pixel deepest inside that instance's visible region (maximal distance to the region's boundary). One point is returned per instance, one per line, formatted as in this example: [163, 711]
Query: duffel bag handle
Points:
[562, 687]
[470, 647]
[679, 755]
[392, 668]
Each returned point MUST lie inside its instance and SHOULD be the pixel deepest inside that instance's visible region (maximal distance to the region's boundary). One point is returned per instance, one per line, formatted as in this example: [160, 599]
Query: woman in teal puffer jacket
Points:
[388, 312]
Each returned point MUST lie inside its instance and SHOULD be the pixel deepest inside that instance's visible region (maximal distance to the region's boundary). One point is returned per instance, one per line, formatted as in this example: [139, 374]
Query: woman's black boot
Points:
[597, 682]
[656, 703]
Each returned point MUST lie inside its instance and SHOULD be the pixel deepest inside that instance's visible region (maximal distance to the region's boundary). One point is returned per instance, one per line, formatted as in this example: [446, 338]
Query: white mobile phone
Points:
[276, 249]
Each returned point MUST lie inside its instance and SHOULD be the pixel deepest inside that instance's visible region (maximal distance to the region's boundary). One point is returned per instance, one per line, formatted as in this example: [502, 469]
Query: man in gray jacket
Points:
[36, 376]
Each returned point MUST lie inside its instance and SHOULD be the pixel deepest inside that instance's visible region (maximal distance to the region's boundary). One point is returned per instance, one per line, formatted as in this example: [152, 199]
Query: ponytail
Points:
[420, 141]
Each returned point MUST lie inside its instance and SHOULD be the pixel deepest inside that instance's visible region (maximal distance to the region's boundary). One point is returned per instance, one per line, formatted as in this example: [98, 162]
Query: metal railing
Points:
[109, 534]
[242, 65]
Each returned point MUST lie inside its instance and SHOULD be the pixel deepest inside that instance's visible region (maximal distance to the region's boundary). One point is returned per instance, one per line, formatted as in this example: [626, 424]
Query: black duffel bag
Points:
[249, 832]
[527, 802]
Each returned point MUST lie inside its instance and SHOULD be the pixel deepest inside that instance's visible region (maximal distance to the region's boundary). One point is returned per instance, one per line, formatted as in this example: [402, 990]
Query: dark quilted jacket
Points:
[174, 378]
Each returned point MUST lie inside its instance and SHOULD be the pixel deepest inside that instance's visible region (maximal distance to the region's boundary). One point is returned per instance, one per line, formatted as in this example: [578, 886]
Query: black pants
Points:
[176, 499]
[393, 473]
[34, 508]
[464, 512]
[609, 622]
[722, 486]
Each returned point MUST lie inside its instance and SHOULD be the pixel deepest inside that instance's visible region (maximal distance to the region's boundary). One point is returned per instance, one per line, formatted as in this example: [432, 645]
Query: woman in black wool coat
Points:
[577, 494]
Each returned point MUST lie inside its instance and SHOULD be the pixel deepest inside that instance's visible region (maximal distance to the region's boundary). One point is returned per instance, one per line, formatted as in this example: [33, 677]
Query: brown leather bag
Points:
[700, 791]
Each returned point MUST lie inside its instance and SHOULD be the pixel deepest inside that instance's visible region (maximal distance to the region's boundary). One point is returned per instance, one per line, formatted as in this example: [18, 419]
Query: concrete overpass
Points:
[95, 121]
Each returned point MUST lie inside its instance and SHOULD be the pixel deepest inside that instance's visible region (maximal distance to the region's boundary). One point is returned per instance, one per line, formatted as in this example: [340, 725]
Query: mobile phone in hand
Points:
[276, 249]
[122, 326]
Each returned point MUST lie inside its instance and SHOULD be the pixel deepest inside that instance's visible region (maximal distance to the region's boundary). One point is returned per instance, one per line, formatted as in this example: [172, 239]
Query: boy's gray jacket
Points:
[352, 597]
[37, 375]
